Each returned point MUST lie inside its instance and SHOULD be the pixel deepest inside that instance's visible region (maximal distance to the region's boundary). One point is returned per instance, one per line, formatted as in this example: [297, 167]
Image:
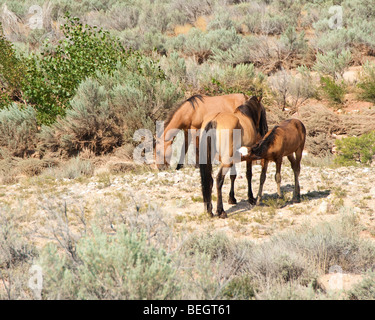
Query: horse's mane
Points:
[193, 100]
[262, 146]
[250, 109]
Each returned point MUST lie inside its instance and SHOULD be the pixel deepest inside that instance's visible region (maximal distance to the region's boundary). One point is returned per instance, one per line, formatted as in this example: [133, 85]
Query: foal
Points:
[283, 140]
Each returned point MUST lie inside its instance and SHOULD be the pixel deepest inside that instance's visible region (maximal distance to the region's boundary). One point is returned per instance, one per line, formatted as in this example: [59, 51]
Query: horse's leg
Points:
[278, 176]
[197, 151]
[219, 184]
[207, 183]
[296, 166]
[249, 175]
[233, 175]
[263, 177]
[184, 150]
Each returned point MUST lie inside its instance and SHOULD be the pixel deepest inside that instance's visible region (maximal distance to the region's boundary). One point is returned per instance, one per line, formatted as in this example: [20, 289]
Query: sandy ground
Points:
[325, 193]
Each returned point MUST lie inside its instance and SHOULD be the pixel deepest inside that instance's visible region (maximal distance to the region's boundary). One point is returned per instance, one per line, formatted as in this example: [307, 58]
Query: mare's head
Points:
[163, 152]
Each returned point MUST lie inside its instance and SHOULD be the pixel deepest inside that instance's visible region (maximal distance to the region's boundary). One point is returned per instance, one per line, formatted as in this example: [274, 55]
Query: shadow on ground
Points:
[272, 200]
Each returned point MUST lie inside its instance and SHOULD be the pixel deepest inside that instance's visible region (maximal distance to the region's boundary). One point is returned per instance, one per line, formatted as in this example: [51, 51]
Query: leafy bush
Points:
[354, 150]
[107, 110]
[53, 77]
[333, 90]
[18, 129]
[123, 266]
[367, 82]
[11, 72]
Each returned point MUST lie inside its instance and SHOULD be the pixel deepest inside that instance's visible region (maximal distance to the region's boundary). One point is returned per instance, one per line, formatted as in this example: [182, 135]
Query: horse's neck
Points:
[249, 129]
[181, 120]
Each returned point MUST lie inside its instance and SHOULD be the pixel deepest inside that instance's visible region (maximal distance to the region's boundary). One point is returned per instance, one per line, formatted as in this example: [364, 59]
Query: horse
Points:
[190, 115]
[286, 139]
[250, 121]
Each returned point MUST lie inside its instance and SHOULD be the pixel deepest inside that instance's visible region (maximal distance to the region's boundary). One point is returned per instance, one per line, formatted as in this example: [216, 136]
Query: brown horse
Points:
[190, 115]
[283, 140]
[219, 137]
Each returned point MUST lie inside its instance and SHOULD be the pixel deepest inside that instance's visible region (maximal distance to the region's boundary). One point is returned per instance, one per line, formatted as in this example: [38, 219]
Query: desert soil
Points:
[326, 192]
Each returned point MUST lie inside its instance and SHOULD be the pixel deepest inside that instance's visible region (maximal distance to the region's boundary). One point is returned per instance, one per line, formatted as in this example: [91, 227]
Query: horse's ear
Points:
[260, 97]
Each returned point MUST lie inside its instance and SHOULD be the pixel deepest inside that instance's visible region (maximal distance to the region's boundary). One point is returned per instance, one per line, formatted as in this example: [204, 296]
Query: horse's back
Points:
[224, 103]
[293, 133]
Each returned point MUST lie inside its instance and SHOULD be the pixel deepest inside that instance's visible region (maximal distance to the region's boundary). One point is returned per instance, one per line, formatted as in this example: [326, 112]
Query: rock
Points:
[323, 207]
[336, 282]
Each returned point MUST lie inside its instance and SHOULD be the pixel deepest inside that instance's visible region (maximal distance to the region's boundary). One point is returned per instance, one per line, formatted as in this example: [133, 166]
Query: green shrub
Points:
[242, 78]
[336, 40]
[75, 168]
[123, 266]
[333, 64]
[53, 77]
[107, 110]
[12, 70]
[18, 129]
[201, 45]
[292, 42]
[91, 123]
[174, 67]
[354, 150]
[259, 19]
[365, 290]
[214, 245]
[240, 287]
[222, 19]
[238, 53]
[154, 15]
[193, 9]
[333, 90]
[367, 82]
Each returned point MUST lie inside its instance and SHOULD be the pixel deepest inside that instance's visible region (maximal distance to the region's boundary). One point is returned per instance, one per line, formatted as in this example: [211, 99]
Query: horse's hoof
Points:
[223, 215]
[296, 200]
[252, 201]
[179, 166]
[232, 201]
[210, 214]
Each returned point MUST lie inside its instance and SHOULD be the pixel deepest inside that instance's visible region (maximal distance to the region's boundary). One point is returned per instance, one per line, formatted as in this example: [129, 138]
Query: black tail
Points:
[263, 126]
[205, 164]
